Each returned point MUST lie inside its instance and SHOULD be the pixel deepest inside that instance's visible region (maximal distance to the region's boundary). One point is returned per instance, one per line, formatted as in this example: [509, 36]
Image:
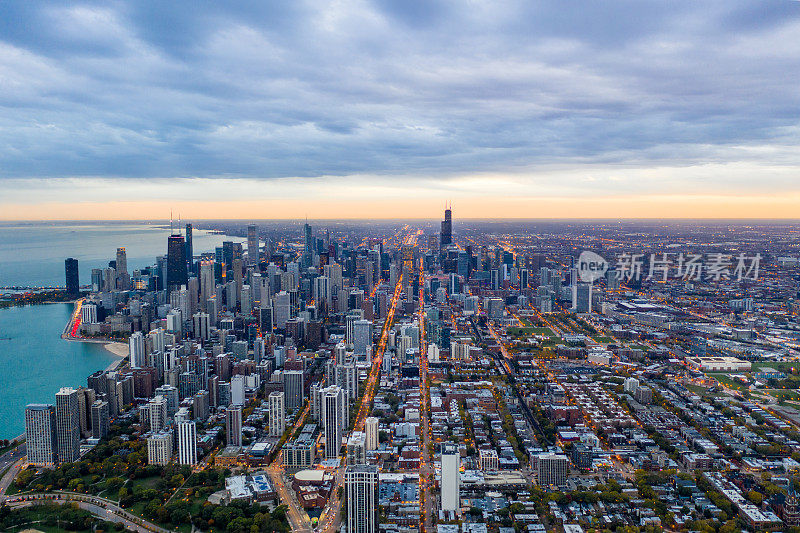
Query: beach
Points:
[118, 349]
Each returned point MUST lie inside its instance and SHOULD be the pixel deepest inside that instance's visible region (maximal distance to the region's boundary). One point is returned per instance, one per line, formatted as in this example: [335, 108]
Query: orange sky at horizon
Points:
[633, 207]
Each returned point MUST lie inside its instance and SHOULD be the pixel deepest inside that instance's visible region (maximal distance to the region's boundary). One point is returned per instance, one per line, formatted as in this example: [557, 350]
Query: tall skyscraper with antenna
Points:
[176, 261]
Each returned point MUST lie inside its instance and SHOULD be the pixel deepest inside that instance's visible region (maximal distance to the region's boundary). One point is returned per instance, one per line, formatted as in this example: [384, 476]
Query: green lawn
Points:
[517, 331]
[726, 380]
[789, 393]
[781, 366]
[603, 340]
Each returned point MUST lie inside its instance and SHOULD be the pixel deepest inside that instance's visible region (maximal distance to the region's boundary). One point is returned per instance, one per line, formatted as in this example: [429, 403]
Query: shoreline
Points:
[115, 348]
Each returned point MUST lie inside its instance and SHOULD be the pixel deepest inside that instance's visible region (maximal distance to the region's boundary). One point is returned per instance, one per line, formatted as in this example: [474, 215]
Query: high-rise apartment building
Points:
[68, 429]
[159, 448]
[333, 406]
[137, 351]
[187, 442]
[451, 479]
[371, 431]
[553, 470]
[277, 414]
[158, 414]
[361, 488]
[233, 425]
[100, 419]
[293, 388]
[40, 434]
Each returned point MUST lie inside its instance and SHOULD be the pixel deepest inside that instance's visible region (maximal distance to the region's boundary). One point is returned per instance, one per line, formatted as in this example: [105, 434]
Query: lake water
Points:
[34, 360]
[32, 254]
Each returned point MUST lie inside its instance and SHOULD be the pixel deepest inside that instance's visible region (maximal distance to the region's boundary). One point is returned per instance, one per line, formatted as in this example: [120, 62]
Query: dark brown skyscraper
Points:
[447, 229]
[71, 270]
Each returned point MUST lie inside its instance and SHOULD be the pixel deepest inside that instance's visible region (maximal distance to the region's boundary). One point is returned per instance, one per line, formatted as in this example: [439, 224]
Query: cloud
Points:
[436, 90]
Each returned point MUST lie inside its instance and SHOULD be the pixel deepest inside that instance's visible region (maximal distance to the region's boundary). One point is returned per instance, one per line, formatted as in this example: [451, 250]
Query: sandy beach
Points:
[119, 349]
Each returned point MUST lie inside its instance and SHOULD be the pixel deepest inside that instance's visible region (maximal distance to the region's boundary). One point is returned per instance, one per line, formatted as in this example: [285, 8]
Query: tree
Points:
[755, 497]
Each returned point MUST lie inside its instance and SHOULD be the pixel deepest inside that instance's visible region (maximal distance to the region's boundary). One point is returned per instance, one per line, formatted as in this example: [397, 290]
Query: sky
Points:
[390, 108]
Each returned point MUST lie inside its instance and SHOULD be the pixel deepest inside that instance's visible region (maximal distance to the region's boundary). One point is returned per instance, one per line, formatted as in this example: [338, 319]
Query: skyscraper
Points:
[158, 413]
[72, 277]
[68, 428]
[100, 419]
[252, 244]
[293, 388]
[233, 425]
[176, 262]
[308, 248]
[189, 249]
[362, 336]
[361, 487]
[277, 414]
[447, 229]
[451, 480]
[333, 404]
[136, 346]
[121, 267]
[159, 448]
[553, 470]
[371, 430]
[40, 422]
[187, 442]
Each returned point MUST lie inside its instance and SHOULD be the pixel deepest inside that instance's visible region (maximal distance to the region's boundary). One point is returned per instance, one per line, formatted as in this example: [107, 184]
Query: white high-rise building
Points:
[451, 479]
[357, 448]
[88, 314]
[187, 443]
[630, 385]
[277, 414]
[371, 430]
[333, 406]
[361, 487]
[237, 389]
[158, 414]
[136, 345]
[68, 426]
[159, 448]
[157, 340]
[40, 428]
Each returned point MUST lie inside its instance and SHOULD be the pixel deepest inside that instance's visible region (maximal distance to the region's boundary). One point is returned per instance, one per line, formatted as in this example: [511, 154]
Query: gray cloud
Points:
[437, 88]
